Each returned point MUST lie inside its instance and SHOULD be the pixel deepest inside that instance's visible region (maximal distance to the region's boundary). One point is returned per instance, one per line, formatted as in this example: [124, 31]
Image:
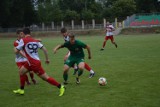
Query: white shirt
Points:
[109, 30]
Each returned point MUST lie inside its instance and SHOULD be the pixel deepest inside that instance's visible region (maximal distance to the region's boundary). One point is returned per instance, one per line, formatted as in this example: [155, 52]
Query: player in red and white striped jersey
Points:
[109, 35]
[20, 60]
[30, 46]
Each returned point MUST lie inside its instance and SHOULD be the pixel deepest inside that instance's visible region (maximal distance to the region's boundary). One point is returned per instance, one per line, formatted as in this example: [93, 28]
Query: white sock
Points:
[91, 71]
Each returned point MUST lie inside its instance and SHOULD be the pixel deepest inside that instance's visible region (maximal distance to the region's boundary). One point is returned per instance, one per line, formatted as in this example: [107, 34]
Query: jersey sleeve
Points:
[65, 44]
[20, 45]
[15, 44]
[82, 44]
[112, 26]
[40, 45]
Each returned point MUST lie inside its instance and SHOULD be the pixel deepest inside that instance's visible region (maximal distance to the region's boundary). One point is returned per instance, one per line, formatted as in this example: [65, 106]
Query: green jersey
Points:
[76, 49]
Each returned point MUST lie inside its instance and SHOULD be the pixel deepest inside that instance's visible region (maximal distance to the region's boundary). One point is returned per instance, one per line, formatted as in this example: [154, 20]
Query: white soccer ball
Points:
[102, 81]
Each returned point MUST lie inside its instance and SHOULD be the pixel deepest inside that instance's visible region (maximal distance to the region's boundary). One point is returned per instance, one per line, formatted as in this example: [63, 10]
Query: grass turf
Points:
[132, 71]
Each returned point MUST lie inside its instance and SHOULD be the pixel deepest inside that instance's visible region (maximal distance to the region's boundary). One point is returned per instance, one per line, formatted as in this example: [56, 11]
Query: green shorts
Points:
[72, 60]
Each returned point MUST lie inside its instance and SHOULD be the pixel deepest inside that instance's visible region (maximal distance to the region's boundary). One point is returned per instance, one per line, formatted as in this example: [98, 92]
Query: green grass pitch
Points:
[132, 71]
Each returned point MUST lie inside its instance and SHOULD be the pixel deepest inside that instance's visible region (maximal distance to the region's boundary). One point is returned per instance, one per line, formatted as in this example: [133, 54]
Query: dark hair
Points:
[71, 35]
[18, 31]
[26, 31]
[63, 30]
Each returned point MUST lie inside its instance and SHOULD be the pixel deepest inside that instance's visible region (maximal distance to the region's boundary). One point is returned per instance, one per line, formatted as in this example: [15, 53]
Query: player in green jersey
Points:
[76, 56]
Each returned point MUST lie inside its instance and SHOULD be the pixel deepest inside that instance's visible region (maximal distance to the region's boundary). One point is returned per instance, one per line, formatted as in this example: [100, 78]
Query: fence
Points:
[56, 27]
[130, 21]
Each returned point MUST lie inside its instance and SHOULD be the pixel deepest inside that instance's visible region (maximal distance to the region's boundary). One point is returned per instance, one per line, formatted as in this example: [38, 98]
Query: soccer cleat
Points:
[116, 45]
[75, 71]
[61, 90]
[19, 91]
[77, 80]
[91, 75]
[101, 49]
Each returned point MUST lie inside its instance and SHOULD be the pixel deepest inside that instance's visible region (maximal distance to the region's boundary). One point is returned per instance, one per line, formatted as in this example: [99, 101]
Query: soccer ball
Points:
[102, 81]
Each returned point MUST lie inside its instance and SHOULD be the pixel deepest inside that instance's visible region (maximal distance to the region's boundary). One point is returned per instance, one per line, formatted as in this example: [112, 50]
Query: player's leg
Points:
[75, 69]
[27, 80]
[65, 73]
[20, 64]
[22, 72]
[80, 71]
[104, 43]
[74, 65]
[32, 77]
[69, 63]
[113, 42]
[51, 80]
[88, 68]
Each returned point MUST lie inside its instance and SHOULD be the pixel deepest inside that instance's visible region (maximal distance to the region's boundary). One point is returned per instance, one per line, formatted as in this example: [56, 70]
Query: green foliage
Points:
[151, 6]
[19, 13]
[49, 12]
[71, 15]
[87, 15]
[107, 13]
[124, 8]
[4, 12]
[15, 13]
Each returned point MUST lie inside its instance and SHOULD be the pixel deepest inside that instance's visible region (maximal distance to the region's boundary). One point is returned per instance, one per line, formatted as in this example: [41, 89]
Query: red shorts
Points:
[36, 67]
[109, 37]
[20, 64]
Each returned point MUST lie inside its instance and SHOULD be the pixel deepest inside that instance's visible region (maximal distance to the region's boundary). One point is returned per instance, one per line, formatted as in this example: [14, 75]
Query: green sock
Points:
[80, 72]
[65, 77]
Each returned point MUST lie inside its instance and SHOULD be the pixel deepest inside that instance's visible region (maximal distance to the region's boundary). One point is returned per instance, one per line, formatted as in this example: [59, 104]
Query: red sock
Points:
[22, 81]
[52, 81]
[87, 66]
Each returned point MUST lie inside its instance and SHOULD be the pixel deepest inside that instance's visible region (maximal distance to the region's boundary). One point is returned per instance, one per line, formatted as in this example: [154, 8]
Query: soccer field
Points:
[132, 71]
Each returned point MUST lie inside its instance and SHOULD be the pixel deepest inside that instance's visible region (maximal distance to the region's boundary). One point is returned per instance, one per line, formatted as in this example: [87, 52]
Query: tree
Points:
[4, 13]
[71, 15]
[96, 9]
[29, 14]
[16, 13]
[123, 8]
[49, 11]
[87, 15]
[150, 6]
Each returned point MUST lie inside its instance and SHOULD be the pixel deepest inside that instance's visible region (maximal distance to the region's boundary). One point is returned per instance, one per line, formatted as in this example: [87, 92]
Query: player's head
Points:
[19, 32]
[64, 31]
[71, 38]
[107, 23]
[26, 31]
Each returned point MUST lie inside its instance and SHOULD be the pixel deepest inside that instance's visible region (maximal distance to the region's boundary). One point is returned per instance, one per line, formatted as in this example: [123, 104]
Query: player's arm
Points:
[18, 48]
[46, 54]
[22, 53]
[89, 51]
[57, 48]
[113, 29]
[16, 51]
